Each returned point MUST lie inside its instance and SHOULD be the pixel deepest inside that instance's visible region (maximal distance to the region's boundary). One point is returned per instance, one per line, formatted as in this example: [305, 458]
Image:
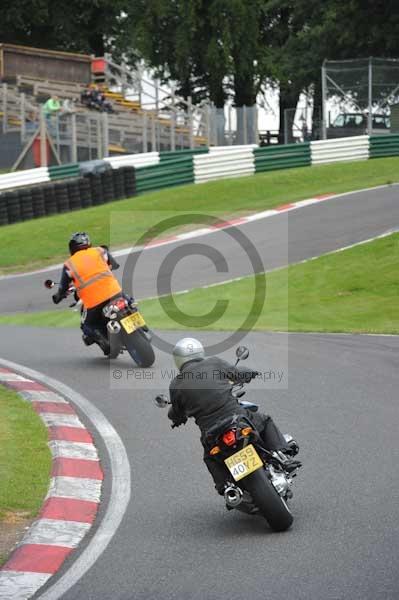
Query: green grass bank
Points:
[356, 291]
[40, 242]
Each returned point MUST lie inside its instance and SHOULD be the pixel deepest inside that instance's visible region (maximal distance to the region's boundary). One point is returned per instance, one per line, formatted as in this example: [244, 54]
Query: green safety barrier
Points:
[288, 156]
[165, 174]
[384, 145]
[63, 171]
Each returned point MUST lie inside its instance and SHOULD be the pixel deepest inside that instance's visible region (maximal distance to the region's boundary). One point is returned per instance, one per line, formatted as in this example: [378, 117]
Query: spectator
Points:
[51, 107]
[94, 98]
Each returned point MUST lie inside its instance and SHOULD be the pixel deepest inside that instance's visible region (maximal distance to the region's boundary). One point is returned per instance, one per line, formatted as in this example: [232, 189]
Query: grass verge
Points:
[356, 290]
[43, 241]
[24, 461]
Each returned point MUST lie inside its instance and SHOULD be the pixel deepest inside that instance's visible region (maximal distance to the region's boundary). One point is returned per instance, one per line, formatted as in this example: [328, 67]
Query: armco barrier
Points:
[340, 150]
[24, 178]
[166, 174]
[384, 145]
[271, 158]
[221, 164]
[133, 160]
[63, 171]
[170, 156]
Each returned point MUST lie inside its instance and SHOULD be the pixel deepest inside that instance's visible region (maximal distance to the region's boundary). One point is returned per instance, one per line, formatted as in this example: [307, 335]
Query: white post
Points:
[74, 141]
[229, 122]
[370, 115]
[244, 118]
[4, 86]
[323, 102]
[190, 121]
[153, 134]
[105, 135]
[145, 144]
[23, 116]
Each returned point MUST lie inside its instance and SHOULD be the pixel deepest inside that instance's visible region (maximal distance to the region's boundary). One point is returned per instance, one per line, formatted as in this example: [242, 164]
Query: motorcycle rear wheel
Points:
[271, 506]
[139, 348]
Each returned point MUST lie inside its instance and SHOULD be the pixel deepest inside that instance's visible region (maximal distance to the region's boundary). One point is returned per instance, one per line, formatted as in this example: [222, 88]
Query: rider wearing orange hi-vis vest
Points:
[90, 271]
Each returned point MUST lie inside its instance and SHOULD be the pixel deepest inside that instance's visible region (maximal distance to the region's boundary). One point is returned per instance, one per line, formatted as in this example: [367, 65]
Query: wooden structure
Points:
[43, 64]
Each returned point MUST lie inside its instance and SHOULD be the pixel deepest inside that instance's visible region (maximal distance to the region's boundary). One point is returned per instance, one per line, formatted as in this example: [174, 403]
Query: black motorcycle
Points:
[123, 325]
[256, 479]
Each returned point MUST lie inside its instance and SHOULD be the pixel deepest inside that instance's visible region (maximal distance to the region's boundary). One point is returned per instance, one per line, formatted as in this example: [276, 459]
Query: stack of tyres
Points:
[107, 183]
[13, 204]
[119, 184]
[96, 188]
[26, 204]
[129, 176]
[85, 192]
[38, 202]
[61, 196]
[74, 194]
[3, 210]
[50, 202]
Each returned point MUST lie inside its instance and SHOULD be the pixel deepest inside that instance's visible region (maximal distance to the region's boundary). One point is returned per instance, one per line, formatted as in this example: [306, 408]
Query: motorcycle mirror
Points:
[49, 284]
[161, 401]
[242, 353]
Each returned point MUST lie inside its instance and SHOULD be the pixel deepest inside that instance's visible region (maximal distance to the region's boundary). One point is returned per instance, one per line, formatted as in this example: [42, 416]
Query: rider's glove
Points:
[57, 298]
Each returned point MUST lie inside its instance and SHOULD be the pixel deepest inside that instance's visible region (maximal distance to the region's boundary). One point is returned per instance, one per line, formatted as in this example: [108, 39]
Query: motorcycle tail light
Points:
[229, 438]
[214, 450]
[246, 431]
[120, 303]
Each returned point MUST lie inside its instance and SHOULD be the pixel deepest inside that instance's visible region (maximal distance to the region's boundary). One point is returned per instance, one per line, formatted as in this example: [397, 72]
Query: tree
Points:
[78, 25]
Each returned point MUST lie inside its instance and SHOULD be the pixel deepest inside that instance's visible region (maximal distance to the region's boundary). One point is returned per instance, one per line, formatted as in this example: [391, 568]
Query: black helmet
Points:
[79, 241]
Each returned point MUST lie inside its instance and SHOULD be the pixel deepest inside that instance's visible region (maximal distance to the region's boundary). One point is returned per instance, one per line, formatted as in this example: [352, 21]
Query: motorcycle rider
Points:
[202, 390]
[89, 270]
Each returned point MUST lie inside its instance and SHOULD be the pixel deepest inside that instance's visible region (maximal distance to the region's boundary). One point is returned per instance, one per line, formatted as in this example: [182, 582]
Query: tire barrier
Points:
[26, 204]
[85, 192]
[50, 202]
[107, 184]
[119, 184]
[38, 203]
[13, 205]
[129, 178]
[96, 188]
[60, 196]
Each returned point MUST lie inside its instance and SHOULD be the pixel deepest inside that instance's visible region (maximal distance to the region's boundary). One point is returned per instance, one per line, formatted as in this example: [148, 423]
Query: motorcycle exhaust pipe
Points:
[233, 496]
[113, 327]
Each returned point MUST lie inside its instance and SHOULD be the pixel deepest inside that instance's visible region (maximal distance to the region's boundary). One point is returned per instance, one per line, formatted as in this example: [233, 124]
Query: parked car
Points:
[349, 124]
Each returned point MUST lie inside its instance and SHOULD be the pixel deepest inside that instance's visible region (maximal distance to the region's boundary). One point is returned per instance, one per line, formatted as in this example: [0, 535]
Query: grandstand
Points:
[29, 76]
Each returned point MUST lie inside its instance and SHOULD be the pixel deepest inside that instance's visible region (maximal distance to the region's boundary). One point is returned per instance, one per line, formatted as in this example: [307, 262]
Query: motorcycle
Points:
[256, 481]
[123, 324]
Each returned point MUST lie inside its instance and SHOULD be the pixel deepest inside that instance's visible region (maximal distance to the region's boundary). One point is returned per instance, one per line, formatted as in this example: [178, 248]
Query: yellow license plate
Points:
[244, 462]
[132, 322]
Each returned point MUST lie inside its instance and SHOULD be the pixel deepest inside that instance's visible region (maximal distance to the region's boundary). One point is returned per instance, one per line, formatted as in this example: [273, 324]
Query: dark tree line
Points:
[215, 48]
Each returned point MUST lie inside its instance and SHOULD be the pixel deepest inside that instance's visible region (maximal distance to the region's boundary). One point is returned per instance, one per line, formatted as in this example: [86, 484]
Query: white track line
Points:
[120, 478]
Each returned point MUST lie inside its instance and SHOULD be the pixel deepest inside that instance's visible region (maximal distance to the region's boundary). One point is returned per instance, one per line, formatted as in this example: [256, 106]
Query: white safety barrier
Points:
[27, 177]
[219, 164]
[217, 149]
[340, 149]
[133, 160]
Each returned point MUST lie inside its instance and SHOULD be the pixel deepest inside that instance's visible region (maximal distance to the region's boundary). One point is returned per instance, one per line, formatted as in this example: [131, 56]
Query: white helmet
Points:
[187, 349]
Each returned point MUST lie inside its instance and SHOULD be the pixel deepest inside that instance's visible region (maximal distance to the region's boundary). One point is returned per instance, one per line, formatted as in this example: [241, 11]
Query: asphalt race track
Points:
[338, 396]
[282, 239]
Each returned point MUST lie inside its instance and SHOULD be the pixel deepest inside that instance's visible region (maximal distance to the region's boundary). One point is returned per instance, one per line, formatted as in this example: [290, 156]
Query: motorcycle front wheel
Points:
[139, 348]
[271, 506]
